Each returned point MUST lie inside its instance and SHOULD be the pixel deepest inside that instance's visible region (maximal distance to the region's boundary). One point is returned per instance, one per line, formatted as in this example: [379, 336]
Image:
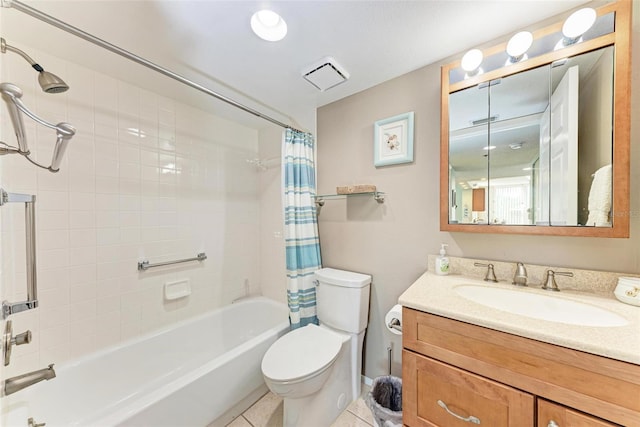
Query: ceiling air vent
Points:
[325, 74]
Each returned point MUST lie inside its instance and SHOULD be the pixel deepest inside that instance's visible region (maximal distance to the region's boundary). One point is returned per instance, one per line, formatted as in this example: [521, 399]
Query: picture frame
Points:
[393, 140]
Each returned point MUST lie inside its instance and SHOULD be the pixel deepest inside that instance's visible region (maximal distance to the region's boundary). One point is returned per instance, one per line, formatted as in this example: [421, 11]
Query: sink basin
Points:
[541, 307]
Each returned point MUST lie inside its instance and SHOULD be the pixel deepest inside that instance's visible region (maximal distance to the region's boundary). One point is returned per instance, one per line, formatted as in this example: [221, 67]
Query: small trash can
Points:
[385, 401]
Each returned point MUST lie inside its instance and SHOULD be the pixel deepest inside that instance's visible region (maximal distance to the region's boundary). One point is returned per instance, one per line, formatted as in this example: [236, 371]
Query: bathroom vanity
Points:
[466, 363]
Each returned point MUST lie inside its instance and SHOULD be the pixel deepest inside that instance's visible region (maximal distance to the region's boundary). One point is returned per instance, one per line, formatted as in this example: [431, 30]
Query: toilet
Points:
[316, 369]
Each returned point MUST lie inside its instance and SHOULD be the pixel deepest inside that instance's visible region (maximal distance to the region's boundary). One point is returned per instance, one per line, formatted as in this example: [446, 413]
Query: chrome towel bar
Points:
[145, 265]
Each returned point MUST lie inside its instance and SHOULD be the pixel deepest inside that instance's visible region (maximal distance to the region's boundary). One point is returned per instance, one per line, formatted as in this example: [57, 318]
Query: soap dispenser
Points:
[442, 262]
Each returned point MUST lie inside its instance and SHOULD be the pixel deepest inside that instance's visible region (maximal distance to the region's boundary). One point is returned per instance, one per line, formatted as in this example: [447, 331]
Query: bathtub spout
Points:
[17, 383]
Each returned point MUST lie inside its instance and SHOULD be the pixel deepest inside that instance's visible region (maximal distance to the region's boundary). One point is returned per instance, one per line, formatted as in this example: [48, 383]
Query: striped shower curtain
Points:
[301, 226]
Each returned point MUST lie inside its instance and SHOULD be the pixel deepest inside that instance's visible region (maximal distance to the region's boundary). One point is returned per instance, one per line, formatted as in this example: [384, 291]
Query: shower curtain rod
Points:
[35, 13]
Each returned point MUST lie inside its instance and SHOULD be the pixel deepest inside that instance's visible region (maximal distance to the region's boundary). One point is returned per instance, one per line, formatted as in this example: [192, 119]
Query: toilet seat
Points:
[301, 354]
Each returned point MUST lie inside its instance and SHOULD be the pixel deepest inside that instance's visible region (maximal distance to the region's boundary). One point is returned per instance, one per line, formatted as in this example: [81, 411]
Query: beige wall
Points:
[391, 241]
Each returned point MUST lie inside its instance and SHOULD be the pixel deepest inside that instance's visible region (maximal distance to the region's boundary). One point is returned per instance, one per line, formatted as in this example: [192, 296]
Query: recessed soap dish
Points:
[176, 290]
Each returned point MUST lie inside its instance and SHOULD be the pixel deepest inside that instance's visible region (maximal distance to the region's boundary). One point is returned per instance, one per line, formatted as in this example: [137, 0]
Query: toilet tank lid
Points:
[347, 279]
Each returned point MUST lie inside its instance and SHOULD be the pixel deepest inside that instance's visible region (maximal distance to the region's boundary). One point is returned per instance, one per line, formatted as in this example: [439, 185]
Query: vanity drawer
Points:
[553, 415]
[440, 395]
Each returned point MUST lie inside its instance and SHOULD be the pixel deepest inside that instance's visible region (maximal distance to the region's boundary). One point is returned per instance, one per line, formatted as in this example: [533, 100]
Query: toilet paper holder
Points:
[395, 324]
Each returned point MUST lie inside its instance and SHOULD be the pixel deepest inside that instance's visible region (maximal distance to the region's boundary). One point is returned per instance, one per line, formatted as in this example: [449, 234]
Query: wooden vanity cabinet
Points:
[508, 380]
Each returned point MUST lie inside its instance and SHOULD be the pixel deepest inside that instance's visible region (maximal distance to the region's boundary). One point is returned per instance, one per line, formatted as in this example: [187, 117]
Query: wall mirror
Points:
[540, 144]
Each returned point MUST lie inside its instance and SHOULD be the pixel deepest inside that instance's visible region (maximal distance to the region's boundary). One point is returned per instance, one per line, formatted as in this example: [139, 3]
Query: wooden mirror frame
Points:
[621, 39]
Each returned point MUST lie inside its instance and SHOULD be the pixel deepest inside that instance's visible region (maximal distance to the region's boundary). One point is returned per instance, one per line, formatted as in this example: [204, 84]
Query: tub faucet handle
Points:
[9, 340]
[491, 275]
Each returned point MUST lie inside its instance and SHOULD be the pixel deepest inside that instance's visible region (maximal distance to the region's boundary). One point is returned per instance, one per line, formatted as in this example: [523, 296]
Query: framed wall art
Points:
[393, 140]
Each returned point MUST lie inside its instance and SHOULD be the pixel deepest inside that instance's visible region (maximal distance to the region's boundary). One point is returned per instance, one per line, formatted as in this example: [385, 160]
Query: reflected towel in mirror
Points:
[600, 198]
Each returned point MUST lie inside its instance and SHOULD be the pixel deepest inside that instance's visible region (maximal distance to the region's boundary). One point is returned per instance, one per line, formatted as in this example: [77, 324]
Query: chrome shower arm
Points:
[49, 82]
[4, 47]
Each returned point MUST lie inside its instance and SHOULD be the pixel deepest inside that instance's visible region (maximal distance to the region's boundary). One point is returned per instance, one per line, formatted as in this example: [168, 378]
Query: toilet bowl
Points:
[316, 369]
[299, 363]
[310, 369]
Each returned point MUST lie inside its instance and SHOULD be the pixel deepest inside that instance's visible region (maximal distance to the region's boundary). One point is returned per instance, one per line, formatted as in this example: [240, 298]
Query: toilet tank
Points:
[342, 299]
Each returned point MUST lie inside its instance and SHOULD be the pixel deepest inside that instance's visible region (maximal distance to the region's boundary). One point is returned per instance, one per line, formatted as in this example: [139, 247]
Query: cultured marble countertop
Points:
[436, 295]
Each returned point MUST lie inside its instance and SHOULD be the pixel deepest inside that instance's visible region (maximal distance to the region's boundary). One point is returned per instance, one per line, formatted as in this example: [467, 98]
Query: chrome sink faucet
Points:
[17, 383]
[491, 275]
[520, 276]
[549, 282]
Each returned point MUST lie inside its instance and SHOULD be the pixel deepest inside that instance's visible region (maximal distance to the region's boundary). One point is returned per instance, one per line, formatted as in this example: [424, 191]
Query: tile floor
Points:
[267, 412]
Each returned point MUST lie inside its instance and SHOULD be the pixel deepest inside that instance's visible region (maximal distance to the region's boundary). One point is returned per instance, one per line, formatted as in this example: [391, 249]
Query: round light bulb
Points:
[268, 18]
[519, 44]
[268, 25]
[579, 23]
[471, 60]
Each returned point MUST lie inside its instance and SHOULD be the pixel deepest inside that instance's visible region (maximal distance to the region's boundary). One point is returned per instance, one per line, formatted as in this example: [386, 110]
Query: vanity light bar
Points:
[578, 23]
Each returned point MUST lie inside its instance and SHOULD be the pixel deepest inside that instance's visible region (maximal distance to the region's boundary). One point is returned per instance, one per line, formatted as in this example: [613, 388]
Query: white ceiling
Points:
[211, 43]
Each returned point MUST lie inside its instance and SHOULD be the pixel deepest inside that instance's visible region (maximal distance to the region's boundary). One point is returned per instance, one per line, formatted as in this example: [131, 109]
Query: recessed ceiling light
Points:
[268, 25]
[489, 147]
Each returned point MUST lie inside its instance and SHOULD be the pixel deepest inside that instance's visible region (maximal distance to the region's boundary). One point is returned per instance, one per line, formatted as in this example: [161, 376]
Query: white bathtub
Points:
[196, 373]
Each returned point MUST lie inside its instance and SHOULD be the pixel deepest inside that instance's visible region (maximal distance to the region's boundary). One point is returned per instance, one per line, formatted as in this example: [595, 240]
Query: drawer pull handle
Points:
[552, 424]
[469, 419]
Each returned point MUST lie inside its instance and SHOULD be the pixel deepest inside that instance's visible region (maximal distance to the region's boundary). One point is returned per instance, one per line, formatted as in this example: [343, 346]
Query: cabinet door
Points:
[439, 395]
[554, 415]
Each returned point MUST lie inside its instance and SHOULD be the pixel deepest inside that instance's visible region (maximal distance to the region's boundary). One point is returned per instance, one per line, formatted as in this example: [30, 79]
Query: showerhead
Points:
[49, 82]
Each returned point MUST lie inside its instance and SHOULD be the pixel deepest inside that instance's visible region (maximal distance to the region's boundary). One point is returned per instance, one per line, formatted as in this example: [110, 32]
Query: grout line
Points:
[360, 418]
[357, 416]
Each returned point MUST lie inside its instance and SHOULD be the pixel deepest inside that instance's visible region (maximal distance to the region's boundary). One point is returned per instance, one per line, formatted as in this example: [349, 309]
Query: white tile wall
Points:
[145, 177]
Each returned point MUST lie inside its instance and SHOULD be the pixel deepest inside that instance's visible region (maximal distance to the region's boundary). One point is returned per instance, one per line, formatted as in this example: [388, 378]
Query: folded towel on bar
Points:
[600, 198]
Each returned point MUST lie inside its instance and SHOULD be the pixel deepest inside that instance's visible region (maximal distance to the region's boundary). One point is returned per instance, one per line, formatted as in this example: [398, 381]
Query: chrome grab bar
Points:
[145, 265]
[30, 225]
